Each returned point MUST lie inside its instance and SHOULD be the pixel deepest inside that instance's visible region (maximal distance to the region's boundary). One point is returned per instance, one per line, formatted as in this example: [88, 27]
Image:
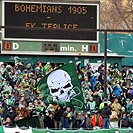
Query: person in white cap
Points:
[78, 69]
[2, 68]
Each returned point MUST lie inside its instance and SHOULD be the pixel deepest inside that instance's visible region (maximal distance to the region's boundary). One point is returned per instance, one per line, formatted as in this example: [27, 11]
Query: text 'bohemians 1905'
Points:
[41, 8]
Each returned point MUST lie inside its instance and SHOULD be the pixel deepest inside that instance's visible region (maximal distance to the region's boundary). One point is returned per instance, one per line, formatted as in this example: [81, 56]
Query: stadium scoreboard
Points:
[50, 21]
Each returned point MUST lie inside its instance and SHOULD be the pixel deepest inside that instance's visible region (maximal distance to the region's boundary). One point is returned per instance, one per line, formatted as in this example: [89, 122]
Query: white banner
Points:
[17, 129]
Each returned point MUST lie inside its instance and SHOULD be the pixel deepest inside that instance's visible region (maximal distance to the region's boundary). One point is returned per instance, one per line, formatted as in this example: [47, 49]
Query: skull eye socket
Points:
[54, 90]
[66, 86]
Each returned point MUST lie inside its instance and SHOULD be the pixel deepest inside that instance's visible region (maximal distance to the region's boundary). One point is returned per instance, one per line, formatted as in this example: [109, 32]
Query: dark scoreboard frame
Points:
[70, 21]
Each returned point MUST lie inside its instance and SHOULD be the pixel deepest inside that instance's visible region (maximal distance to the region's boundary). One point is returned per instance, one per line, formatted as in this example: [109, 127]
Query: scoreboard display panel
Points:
[50, 21]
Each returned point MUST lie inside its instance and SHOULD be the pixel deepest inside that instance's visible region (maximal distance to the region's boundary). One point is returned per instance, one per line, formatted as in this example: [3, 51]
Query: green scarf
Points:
[97, 120]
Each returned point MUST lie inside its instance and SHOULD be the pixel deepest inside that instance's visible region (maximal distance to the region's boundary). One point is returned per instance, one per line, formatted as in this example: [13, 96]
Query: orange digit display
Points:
[7, 46]
[93, 48]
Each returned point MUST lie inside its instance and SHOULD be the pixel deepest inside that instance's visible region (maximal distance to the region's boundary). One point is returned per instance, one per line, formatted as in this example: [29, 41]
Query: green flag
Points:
[1, 129]
[61, 86]
[28, 122]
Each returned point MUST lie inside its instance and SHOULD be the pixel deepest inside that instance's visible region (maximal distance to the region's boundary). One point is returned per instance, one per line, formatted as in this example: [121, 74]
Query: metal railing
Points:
[105, 32]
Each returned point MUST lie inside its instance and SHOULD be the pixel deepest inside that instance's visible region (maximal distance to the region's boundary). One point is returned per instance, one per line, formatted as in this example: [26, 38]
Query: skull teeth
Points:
[63, 98]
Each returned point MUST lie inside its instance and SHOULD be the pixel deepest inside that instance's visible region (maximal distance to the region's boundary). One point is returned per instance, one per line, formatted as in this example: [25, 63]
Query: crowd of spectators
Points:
[20, 97]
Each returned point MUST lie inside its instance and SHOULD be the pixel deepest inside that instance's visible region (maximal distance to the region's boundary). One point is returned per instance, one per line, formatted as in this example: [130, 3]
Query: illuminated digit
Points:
[93, 48]
[7, 45]
[84, 10]
[74, 10]
[70, 9]
[79, 10]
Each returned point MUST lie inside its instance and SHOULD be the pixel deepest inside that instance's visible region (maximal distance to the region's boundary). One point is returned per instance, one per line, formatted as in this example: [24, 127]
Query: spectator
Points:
[49, 120]
[65, 121]
[96, 98]
[116, 106]
[109, 90]
[11, 114]
[57, 117]
[129, 92]
[122, 99]
[77, 119]
[96, 120]
[124, 72]
[88, 66]
[94, 81]
[124, 122]
[116, 67]
[8, 122]
[89, 73]
[102, 103]
[117, 90]
[114, 119]
[86, 83]
[91, 105]
[78, 67]
[101, 68]
[85, 121]
[131, 119]
[2, 110]
[68, 114]
[22, 101]
[129, 106]
[106, 112]
[29, 68]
